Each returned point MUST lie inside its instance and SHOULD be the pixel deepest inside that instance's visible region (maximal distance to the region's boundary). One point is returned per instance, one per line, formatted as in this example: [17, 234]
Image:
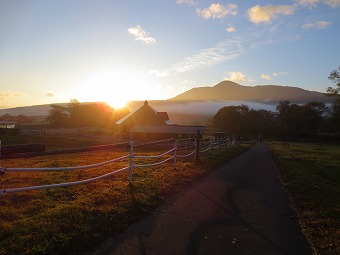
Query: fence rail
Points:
[178, 145]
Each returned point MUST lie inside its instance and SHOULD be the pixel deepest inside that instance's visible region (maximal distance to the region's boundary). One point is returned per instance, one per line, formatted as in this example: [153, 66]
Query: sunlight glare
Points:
[116, 87]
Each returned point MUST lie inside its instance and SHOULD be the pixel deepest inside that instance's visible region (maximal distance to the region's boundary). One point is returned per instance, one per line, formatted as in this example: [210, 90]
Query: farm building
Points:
[8, 127]
[147, 123]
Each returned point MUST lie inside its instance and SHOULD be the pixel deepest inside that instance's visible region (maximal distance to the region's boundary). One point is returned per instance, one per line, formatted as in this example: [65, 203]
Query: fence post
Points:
[175, 154]
[131, 143]
[197, 149]
[210, 145]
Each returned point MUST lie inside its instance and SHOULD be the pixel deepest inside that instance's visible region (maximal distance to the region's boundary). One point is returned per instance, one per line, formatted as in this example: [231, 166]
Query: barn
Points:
[146, 123]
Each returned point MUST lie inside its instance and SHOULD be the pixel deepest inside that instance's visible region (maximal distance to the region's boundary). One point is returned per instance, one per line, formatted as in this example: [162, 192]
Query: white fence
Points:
[172, 155]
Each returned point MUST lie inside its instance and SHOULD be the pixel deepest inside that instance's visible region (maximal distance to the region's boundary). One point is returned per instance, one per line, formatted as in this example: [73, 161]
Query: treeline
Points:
[290, 120]
[76, 114]
[18, 119]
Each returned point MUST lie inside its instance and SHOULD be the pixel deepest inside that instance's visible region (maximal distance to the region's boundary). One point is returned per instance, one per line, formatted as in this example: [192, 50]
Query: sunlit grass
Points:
[311, 174]
[70, 220]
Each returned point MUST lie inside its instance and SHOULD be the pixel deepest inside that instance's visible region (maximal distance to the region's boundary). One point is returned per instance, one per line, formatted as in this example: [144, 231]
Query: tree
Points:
[334, 76]
[289, 118]
[334, 111]
[260, 122]
[73, 110]
[57, 116]
[231, 119]
[312, 116]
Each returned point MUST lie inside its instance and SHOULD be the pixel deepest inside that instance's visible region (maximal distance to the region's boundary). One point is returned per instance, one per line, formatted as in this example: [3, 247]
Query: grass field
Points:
[311, 174]
[51, 143]
[75, 219]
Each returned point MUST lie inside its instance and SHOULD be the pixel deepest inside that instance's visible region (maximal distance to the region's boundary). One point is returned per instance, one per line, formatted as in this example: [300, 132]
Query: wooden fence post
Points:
[197, 149]
[175, 154]
[131, 161]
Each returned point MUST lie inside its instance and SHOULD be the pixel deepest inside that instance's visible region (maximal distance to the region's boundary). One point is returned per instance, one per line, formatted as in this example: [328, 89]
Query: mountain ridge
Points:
[228, 90]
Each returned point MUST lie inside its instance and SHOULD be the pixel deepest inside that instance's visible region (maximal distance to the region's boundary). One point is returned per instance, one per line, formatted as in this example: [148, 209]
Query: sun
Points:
[118, 103]
[115, 87]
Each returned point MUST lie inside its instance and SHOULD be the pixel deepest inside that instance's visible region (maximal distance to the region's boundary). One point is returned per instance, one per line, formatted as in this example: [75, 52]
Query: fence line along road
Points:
[178, 145]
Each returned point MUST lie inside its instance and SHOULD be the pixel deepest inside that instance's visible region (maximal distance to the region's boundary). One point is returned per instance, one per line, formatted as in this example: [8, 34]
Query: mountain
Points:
[228, 90]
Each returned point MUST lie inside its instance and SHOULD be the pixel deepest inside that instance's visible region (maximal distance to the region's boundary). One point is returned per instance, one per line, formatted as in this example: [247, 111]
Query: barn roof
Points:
[174, 129]
[161, 116]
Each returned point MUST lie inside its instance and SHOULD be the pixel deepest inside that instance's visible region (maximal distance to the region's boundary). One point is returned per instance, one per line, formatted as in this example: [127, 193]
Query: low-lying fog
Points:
[199, 107]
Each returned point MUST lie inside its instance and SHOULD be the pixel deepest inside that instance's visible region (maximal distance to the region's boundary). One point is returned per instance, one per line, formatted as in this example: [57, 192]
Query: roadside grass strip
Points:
[311, 174]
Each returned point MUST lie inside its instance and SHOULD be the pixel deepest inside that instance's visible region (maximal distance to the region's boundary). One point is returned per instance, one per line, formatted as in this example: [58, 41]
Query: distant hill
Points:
[228, 90]
[34, 110]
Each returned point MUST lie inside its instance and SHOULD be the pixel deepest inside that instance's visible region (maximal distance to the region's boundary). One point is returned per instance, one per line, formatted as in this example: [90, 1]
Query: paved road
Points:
[239, 209]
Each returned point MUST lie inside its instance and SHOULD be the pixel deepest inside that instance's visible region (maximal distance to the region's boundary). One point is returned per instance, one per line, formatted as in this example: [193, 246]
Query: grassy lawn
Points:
[75, 219]
[311, 174]
[51, 143]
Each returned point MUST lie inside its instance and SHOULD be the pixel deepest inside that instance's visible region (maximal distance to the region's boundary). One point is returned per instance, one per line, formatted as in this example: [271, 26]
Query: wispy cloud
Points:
[230, 29]
[4, 95]
[264, 14]
[317, 25]
[225, 50]
[141, 35]
[50, 94]
[313, 3]
[280, 74]
[270, 77]
[217, 11]
[188, 2]
[267, 77]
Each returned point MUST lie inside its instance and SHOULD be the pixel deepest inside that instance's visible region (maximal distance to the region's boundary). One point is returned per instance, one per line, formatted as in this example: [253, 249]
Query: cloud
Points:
[269, 77]
[317, 25]
[235, 76]
[8, 94]
[141, 35]
[308, 2]
[225, 50]
[266, 77]
[265, 14]
[50, 94]
[217, 11]
[313, 3]
[280, 74]
[332, 3]
[188, 2]
[230, 29]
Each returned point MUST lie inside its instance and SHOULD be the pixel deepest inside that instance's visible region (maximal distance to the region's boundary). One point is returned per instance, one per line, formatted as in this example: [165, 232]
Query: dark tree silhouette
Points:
[334, 110]
[334, 76]
[231, 119]
[312, 117]
[57, 116]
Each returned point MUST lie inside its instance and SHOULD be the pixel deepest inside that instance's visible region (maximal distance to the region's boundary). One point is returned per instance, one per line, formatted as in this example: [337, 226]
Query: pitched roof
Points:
[161, 117]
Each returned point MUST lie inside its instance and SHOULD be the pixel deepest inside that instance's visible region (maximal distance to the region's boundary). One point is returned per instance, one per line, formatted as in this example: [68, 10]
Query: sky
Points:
[52, 51]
